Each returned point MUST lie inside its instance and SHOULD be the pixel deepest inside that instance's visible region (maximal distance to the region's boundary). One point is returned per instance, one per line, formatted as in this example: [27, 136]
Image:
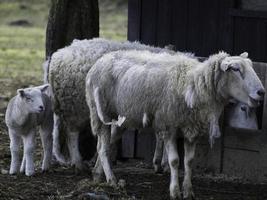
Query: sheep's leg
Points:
[158, 154]
[189, 154]
[173, 158]
[56, 143]
[98, 171]
[103, 152]
[116, 134]
[164, 161]
[28, 153]
[46, 138]
[73, 145]
[23, 164]
[14, 149]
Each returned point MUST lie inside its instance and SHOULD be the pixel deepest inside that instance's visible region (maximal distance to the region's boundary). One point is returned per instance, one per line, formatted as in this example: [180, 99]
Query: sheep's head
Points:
[32, 98]
[239, 80]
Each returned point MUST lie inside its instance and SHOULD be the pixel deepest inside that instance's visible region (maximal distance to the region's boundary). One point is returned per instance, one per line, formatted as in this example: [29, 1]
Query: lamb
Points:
[167, 92]
[68, 68]
[30, 108]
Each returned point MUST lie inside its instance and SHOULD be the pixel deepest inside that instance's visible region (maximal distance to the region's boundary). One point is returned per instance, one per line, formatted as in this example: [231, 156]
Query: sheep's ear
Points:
[21, 92]
[44, 87]
[244, 55]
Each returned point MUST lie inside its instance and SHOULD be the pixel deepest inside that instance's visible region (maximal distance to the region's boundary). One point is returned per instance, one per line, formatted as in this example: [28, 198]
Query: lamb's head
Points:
[239, 80]
[32, 98]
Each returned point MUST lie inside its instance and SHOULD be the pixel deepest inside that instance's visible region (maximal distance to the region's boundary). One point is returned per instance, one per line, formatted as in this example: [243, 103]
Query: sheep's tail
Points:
[100, 113]
[58, 151]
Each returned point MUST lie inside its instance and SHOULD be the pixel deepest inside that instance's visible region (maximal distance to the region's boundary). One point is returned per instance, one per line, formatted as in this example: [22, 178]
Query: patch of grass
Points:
[34, 11]
[21, 52]
[22, 49]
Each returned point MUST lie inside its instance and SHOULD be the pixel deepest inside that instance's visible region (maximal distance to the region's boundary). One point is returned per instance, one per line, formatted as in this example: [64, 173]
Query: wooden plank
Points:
[245, 154]
[248, 13]
[134, 20]
[250, 35]
[225, 31]
[164, 22]
[149, 22]
[128, 144]
[209, 27]
[194, 33]
[208, 159]
[145, 144]
[179, 24]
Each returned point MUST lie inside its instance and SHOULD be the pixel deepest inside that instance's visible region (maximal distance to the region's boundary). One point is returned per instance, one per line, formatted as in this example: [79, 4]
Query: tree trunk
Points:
[68, 20]
[71, 19]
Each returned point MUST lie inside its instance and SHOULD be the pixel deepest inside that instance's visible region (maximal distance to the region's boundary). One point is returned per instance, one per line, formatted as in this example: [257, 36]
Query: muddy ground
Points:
[62, 183]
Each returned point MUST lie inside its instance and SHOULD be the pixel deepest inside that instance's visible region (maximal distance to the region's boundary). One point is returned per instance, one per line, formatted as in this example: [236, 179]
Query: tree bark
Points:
[71, 19]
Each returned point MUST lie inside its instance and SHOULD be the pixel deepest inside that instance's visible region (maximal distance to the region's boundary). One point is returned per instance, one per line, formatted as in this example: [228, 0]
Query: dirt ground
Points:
[62, 183]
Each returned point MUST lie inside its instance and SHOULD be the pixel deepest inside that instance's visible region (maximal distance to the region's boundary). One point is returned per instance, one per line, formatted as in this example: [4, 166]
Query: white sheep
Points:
[30, 108]
[68, 68]
[239, 115]
[167, 92]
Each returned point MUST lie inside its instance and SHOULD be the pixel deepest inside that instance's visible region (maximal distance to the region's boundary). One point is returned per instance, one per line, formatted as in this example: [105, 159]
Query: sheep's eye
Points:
[234, 69]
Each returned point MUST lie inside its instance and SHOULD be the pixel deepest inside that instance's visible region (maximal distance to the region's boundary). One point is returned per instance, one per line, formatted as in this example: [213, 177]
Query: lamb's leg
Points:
[28, 153]
[14, 149]
[173, 158]
[46, 138]
[158, 154]
[189, 154]
[73, 145]
[103, 152]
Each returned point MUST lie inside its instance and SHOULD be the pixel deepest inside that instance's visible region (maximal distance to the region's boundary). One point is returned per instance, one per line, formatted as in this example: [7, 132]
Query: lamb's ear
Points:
[244, 55]
[21, 92]
[44, 87]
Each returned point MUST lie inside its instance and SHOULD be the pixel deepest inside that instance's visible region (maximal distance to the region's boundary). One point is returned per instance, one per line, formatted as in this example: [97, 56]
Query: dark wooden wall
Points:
[205, 27]
[200, 26]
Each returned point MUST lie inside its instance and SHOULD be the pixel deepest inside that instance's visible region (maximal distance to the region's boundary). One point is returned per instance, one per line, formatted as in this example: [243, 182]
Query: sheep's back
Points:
[140, 82]
[68, 69]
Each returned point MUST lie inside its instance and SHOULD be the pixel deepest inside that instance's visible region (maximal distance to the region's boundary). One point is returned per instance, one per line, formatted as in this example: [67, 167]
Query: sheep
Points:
[240, 115]
[30, 108]
[170, 92]
[68, 68]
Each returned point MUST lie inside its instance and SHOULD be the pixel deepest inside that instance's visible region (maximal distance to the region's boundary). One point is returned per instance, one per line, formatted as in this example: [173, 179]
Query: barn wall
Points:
[205, 27]
[200, 26]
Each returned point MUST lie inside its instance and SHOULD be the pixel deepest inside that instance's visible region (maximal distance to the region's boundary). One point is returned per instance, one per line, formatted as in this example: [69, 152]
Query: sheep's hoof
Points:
[98, 178]
[112, 182]
[188, 195]
[29, 173]
[12, 172]
[176, 197]
[158, 169]
[166, 169]
[44, 171]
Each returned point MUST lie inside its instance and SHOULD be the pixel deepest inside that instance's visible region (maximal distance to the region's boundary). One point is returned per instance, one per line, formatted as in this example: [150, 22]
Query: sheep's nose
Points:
[261, 92]
[41, 108]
